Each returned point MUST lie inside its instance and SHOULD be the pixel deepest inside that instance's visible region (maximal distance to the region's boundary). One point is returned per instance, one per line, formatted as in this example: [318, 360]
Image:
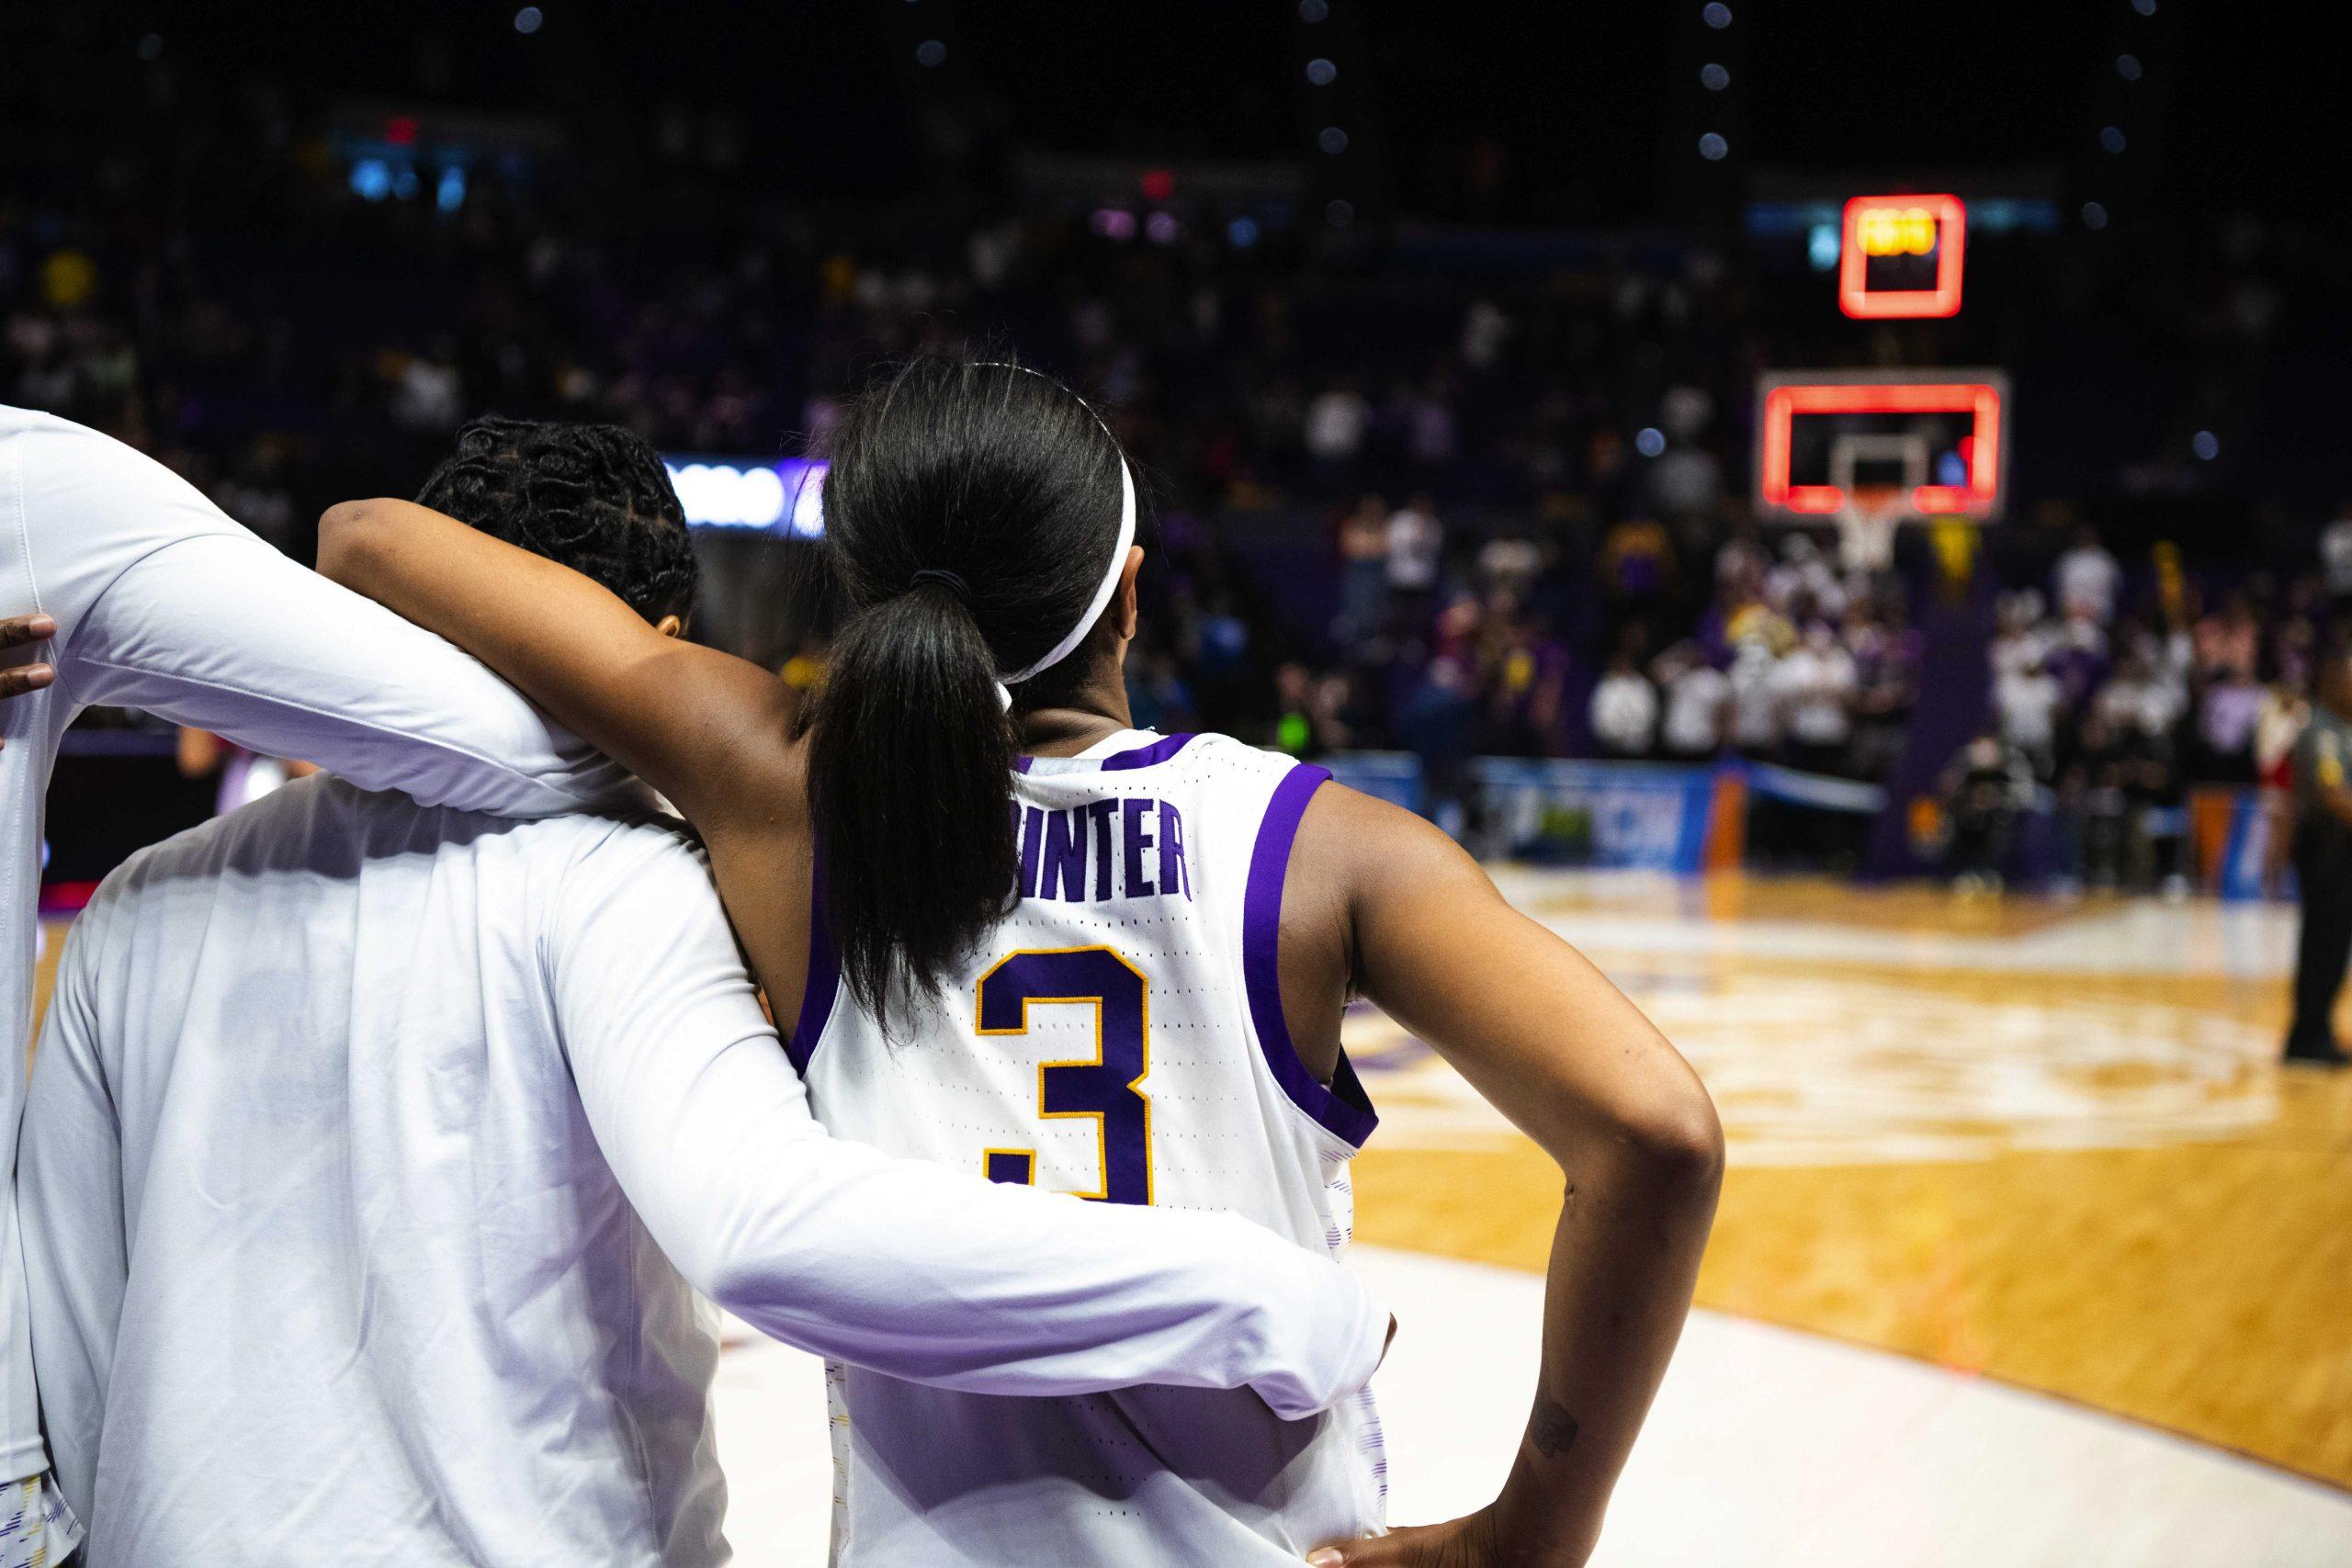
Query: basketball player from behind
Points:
[1020, 937]
[371, 1148]
[121, 583]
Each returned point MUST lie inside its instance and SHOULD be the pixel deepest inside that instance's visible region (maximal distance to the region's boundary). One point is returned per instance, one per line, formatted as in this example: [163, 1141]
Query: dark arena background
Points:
[1842, 507]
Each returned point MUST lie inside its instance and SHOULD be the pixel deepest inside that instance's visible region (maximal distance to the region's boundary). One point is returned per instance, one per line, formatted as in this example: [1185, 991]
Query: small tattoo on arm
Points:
[1551, 1429]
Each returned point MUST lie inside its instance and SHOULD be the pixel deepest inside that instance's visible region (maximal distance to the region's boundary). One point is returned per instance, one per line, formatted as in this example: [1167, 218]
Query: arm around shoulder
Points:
[914, 1270]
[705, 728]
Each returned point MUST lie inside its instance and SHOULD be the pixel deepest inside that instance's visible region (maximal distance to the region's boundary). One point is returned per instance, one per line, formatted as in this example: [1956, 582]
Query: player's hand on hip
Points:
[1467, 1542]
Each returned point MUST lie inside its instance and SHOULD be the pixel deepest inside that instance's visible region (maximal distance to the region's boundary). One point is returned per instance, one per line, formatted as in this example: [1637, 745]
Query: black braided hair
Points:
[593, 497]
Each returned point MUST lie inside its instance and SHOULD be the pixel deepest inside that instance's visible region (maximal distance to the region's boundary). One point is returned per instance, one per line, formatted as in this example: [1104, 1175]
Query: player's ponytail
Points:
[971, 515]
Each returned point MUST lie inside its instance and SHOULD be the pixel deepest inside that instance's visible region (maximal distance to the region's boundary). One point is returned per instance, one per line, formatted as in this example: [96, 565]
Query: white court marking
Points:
[1830, 1054]
[1836, 1068]
[1768, 1448]
[2136, 936]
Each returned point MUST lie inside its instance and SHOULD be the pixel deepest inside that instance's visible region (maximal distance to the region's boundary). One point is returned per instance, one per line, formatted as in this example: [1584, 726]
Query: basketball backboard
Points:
[1942, 436]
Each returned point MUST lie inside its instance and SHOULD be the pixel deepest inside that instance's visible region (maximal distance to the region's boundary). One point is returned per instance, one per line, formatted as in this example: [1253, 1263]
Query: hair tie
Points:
[955, 584]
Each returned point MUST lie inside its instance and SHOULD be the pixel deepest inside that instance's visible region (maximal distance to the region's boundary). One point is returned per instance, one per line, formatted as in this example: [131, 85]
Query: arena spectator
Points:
[2336, 561]
[2077, 656]
[2020, 638]
[1363, 569]
[1624, 709]
[1487, 330]
[2087, 579]
[2228, 641]
[427, 395]
[1887, 662]
[1638, 569]
[1438, 726]
[1415, 548]
[2025, 701]
[2095, 804]
[1294, 726]
[2228, 712]
[1756, 699]
[1337, 419]
[1527, 683]
[1803, 584]
[1816, 684]
[1740, 566]
[2140, 700]
[1509, 563]
[1698, 703]
[1985, 786]
[1686, 480]
[1427, 417]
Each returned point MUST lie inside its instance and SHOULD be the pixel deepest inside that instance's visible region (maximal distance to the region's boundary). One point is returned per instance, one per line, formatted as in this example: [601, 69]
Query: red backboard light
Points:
[1895, 225]
[1980, 449]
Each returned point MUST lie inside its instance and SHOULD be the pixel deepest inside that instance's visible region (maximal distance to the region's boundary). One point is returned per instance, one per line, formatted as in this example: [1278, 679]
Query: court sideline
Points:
[2007, 1180]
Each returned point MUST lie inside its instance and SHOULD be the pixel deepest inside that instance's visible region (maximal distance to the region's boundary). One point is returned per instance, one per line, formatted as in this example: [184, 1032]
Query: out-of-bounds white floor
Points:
[1766, 1447]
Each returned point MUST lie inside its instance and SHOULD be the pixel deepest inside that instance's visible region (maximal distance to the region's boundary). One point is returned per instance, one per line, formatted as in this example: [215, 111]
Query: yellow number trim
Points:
[1135, 1085]
[987, 1155]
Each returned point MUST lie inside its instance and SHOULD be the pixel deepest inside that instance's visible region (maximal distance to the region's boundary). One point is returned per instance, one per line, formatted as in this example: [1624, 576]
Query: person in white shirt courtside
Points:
[374, 1152]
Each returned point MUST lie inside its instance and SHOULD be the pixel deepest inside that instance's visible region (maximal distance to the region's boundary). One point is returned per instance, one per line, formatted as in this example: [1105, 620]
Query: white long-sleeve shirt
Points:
[163, 603]
[362, 1141]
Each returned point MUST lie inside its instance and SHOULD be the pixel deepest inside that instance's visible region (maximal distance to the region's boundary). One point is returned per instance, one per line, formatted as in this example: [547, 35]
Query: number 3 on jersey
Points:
[1104, 1086]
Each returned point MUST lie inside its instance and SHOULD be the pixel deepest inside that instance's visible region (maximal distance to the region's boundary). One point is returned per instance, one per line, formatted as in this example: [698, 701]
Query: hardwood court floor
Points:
[2013, 1144]
[2039, 1141]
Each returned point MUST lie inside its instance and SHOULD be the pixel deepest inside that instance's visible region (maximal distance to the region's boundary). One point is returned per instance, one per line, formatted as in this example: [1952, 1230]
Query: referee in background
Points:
[2323, 863]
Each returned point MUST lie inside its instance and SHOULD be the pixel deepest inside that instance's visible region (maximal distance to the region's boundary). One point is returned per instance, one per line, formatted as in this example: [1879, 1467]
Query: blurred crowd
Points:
[2111, 684]
[1453, 503]
[1776, 653]
[2111, 709]
[1793, 657]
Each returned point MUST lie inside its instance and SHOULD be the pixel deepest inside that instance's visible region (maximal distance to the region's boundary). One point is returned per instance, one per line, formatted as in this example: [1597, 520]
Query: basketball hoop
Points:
[1877, 475]
[1866, 525]
[1867, 451]
[1943, 435]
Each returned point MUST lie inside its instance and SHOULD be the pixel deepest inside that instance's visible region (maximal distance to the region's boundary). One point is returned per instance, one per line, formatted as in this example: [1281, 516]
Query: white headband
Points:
[1109, 586]
[1110, 575]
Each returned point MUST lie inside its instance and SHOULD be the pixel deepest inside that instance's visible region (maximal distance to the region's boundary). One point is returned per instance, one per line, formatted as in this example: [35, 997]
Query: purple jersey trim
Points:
[824, 980]
[1160, 751]
[1342, 1109]
[1145, 756]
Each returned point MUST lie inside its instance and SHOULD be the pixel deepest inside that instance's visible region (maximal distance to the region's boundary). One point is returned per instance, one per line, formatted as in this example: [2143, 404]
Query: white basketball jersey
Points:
[1119, 1036]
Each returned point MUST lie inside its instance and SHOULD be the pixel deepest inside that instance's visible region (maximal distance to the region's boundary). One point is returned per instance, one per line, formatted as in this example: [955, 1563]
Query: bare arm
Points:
[710, 731]
[1555, 1046]
[690, 721]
